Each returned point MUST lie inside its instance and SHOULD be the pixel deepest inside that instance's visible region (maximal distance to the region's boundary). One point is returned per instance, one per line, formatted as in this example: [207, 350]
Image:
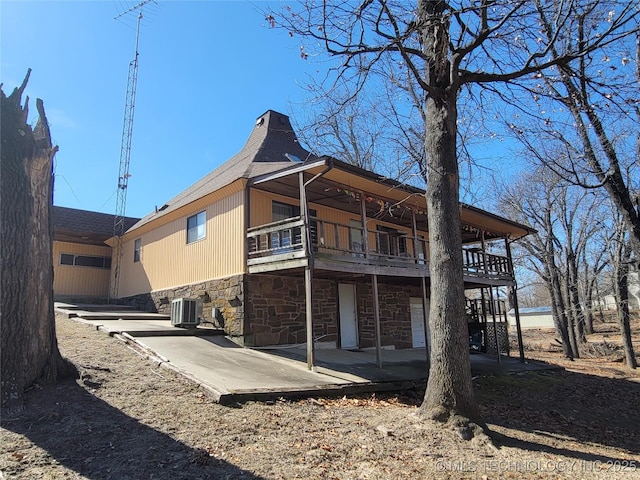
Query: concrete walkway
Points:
[231, 373]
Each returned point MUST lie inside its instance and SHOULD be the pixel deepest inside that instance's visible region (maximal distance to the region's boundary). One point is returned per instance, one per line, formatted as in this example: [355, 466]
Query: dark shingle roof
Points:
[83, 226]
[272, 137]
[271, 147]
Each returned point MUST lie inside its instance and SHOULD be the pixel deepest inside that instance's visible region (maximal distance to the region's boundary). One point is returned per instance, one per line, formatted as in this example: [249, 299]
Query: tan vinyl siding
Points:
[79, 281]
[162, 217]
[166, 260]
[261, 214]
[261, 211]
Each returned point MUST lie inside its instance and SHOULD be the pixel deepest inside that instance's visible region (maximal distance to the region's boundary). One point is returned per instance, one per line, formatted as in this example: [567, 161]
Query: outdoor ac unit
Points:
[185, 312]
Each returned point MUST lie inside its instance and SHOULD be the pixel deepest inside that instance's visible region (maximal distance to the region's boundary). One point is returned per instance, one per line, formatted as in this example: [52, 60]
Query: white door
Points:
[348, 319]
[417, 323]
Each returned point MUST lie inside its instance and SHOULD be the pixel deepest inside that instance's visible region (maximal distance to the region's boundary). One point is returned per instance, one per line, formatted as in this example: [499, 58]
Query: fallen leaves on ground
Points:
[144, 422]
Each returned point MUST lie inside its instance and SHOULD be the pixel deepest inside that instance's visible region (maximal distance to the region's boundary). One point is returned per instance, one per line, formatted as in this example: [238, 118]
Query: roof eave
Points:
[295, 168]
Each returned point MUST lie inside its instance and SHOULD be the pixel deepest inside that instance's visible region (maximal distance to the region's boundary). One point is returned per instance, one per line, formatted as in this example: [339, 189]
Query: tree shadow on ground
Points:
[561, 405]
[87, 435]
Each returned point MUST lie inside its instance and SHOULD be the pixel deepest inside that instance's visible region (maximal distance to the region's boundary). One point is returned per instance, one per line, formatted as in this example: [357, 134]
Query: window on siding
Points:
[284, 211]
[66, 259]
[85, 261]
[391, 241]
[137, 245]
[196, 227]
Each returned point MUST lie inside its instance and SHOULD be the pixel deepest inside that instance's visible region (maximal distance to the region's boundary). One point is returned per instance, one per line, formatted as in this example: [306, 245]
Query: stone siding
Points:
[227, 294]
[259, 310]
[395, 314]
[275, 310]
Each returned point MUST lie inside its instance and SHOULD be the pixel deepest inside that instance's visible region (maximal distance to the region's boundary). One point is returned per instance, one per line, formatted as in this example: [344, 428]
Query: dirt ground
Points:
[129, 419]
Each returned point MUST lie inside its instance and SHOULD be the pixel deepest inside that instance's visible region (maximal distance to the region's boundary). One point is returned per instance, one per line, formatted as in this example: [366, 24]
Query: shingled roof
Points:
[272, 146]
[83, 226]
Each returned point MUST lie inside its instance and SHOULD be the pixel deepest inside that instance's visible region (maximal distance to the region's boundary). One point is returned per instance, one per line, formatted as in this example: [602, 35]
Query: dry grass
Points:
[126, 418]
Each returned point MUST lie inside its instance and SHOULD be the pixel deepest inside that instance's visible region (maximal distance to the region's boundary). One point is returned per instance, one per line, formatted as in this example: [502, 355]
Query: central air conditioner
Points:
[186, 312]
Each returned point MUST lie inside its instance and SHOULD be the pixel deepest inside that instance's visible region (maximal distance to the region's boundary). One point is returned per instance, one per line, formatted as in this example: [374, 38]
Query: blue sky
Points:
[207, 70]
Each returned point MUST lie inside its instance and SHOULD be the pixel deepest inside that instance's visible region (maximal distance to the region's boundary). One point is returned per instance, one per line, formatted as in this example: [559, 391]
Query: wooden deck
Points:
[342, 248]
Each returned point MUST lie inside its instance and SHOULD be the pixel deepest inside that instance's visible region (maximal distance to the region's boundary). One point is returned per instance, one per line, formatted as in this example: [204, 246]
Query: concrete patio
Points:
[231, 373]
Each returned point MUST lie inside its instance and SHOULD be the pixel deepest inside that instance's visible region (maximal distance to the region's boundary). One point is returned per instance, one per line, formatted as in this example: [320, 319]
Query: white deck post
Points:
[308, 274]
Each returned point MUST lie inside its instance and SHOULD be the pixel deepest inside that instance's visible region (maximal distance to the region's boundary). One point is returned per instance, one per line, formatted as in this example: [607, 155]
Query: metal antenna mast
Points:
[125, 152]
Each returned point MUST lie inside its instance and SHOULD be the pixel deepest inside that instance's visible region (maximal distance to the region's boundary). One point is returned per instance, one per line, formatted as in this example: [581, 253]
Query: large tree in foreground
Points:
[28, 345]
[450, 47]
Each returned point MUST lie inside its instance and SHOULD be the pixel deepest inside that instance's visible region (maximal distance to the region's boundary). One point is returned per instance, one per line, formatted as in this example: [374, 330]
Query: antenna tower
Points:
[125, 152]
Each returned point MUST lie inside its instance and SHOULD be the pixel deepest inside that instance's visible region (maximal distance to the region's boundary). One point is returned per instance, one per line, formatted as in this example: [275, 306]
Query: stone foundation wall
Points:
[395, 314]
[275, 310]
[259, 310]
[226, 294]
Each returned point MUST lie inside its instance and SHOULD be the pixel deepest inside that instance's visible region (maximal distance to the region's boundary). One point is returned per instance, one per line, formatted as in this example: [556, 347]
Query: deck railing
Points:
[476, 261]
[275, 238]
[355, 244]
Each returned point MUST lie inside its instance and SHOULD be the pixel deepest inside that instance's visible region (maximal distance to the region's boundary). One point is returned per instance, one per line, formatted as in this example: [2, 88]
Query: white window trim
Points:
[137, 250]
[204, 227]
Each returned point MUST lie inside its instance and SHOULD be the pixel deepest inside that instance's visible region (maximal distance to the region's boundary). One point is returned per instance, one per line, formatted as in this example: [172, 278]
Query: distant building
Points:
[608, 299]
[81, 258]
[539, 317]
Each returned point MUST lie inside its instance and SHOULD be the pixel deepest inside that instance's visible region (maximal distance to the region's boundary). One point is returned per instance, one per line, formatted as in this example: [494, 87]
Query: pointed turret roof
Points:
[272, 146]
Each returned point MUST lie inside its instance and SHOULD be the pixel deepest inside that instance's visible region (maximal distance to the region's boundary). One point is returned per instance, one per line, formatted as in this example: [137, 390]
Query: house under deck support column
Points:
[308, 274]
[376, 317]
[425, 321]
[308, 281]
[493, 303]
[425, 303]
[514, 300]
[495, 328]
[365, 230]
[308, 270]
[374, 281]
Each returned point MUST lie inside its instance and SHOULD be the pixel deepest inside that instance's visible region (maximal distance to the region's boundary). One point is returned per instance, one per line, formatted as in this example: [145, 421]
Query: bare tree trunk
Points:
[574, 299]
[557, 308]
[569, 314]
[622, 300]
[599, 297]
[588, 314]
[611, 176]
[28, 338]
[588, 306]
[449, 389]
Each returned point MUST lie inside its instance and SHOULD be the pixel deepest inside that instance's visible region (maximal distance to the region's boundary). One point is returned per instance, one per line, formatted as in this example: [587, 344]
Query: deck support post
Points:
[491, 299]
[308, 273]
[425, 298]
[425, 320]
[514, 301]
[376, 317]
[365, 231]
[308, 282]
[483, 308]
[414, 232]
[495, 328]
